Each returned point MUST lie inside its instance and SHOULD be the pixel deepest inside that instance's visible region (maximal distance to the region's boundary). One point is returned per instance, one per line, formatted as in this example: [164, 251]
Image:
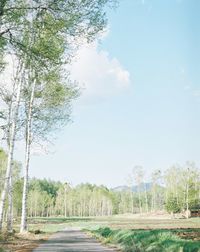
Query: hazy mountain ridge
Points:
[134, 188]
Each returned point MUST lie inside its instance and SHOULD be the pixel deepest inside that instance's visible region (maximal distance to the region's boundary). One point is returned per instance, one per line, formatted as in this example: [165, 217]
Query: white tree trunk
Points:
[187, 196]
[187, 201]
[146, 198]
[24, 227]
[10, 206]
[140, 203]
[10, 187]
[65, 202]
[11, 149]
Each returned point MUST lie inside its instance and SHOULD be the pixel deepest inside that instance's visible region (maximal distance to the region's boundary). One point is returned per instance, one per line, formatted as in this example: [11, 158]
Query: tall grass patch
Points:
[147, 240]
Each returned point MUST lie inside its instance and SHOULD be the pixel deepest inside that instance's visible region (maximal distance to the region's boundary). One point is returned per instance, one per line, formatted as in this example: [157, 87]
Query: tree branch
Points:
[5, 31]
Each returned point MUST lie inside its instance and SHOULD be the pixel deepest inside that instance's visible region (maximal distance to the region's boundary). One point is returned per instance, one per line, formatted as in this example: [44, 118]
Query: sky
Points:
[140, 103]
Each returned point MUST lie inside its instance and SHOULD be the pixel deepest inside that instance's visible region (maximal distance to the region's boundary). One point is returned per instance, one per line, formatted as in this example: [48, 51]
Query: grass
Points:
[130, 232]
[147, 240]
[119, 222]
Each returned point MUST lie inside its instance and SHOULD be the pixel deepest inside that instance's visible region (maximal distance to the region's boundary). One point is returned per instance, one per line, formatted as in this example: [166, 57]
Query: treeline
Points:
[38, 40]
[175, 190]
[83, 200]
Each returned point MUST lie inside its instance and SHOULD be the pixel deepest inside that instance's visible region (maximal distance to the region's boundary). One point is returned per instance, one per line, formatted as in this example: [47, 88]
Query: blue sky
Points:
[141, 104]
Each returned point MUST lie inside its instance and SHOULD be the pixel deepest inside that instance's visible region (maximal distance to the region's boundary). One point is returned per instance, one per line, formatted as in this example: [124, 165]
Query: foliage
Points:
[183, 183]
[51, 198]
[17, 197]
[66, 20]
[16, 168]
[141, 240]
[48, 186]
[172, 205]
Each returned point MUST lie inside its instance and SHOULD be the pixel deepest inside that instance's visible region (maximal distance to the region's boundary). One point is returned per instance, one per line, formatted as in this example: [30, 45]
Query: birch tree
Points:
[61, 29]
[138, 174]
[18, 85]
[75, 21]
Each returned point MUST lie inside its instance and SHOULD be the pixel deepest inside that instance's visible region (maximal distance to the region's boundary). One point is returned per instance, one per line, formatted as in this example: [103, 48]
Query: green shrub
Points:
[105, 232]
[172, 205]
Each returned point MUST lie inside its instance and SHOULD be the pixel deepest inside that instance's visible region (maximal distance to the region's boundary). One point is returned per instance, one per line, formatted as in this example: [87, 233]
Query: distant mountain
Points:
[120, 188]
[124, 188]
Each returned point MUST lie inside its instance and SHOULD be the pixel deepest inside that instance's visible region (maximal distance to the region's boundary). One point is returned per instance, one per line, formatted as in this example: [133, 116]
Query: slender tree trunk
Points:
[11, 149]
[187, 201]
[23, 227]
[146, 198]
[65, 202]
[10, 187]
[139, 195]
[187, 195]
[10, 207]
[153, 201]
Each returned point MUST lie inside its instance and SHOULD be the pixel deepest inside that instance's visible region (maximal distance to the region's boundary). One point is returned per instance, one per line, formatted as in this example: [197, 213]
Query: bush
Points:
[105, 232]
[172, 205]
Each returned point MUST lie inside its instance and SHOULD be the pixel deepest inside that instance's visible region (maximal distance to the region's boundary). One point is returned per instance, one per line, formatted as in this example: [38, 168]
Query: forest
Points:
[175, 191]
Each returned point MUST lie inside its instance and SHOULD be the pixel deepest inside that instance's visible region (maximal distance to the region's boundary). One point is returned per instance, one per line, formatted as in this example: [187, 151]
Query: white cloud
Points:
[98, 74]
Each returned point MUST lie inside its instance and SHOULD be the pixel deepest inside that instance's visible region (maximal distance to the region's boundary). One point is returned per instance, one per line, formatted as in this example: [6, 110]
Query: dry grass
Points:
[28, 241]
[22, 243]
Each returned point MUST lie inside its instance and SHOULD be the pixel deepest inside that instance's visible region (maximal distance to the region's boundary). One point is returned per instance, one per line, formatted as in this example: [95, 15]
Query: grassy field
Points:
[118, 222]
[148, 240]
[131, 233]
